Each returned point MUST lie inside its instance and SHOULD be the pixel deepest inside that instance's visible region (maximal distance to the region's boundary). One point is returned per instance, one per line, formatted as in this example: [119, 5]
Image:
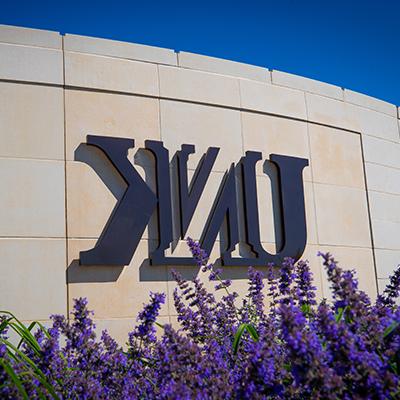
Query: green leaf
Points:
[238, 336]
[30, 327]
[253, 333]
[4, 324]
[340, 312]
[391, 328]
[15, 353]
[306, 309]
[14, 377]
[287, 367]
[26, 336]
[239, 333]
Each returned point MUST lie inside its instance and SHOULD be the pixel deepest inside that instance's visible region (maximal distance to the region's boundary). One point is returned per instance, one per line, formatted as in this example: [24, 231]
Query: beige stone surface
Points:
[109, 114]
[342, 216]
[275, 135]
[174, 322]
[381, 151]
[89, 201]
[31, 121]
[112, 291]
[386, 234]
[384, 206]
[272, 99]
[106, 73]
[31, 64]
[382, 179]
[336, 157]
[387, 262]
[373, 103]
[32, 277]
[114, 48]
[32, 200]
[203, 126]
[306, 84]
[348, 116]
[30, 37]
[224, 67]
[331, 112]
[33, 205]
[265, 209]
[377, 124]
[198, 86]
[352, 258]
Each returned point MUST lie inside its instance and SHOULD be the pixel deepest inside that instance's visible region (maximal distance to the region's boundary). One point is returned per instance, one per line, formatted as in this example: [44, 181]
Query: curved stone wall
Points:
[56, 89]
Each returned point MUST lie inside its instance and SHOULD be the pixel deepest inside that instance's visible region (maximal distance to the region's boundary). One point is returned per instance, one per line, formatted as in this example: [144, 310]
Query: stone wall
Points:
[56, 89]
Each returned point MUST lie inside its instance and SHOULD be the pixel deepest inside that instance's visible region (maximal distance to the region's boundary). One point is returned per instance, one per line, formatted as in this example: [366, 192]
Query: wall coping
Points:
[151, 54]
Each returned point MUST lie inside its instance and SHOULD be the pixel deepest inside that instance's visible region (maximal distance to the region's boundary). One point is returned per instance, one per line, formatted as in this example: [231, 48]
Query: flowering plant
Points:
[275, 343]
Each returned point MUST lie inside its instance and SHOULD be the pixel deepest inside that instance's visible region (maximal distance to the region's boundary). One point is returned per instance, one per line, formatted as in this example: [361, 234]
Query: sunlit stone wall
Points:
[56, 89]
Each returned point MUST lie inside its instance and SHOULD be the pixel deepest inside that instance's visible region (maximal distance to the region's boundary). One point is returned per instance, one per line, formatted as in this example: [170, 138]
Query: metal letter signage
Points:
[132, 213]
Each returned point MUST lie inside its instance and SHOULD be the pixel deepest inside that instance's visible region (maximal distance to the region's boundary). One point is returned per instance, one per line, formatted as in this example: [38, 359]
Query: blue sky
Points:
[353, 44]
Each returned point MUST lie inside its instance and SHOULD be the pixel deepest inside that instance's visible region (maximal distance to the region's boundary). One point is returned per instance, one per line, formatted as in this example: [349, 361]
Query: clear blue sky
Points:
[353, 43]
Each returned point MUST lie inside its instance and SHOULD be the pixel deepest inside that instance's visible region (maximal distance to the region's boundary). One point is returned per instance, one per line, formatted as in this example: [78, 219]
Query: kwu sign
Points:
[132, 213]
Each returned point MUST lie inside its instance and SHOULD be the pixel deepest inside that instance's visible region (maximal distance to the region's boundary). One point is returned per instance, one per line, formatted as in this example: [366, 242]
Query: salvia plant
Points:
[275, 343]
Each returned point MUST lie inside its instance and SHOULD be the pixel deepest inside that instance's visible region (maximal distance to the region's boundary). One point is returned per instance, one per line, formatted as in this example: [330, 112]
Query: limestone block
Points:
[223, 67]
[373, 103]
[377, 124]
[31, 121]
[113, 291]
[106, 73]
[117, 49]
[306, 84]
[387, 262]
[272, 99]
[335, 113]
[204, 87]
[381, 151]
[386, 234]
[31, 64]
[384, 206]
[342, 216]
[382, 179]
[336, 157]
[30, 37]
[109, 114]
[32, 277]
[32, 202]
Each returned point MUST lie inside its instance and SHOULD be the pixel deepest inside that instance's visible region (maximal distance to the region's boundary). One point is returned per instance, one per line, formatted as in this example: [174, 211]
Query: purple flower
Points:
[223, 349]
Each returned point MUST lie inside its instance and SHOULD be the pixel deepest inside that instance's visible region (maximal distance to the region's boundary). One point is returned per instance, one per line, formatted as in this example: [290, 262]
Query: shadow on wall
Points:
[103, 167]
[77, 273]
